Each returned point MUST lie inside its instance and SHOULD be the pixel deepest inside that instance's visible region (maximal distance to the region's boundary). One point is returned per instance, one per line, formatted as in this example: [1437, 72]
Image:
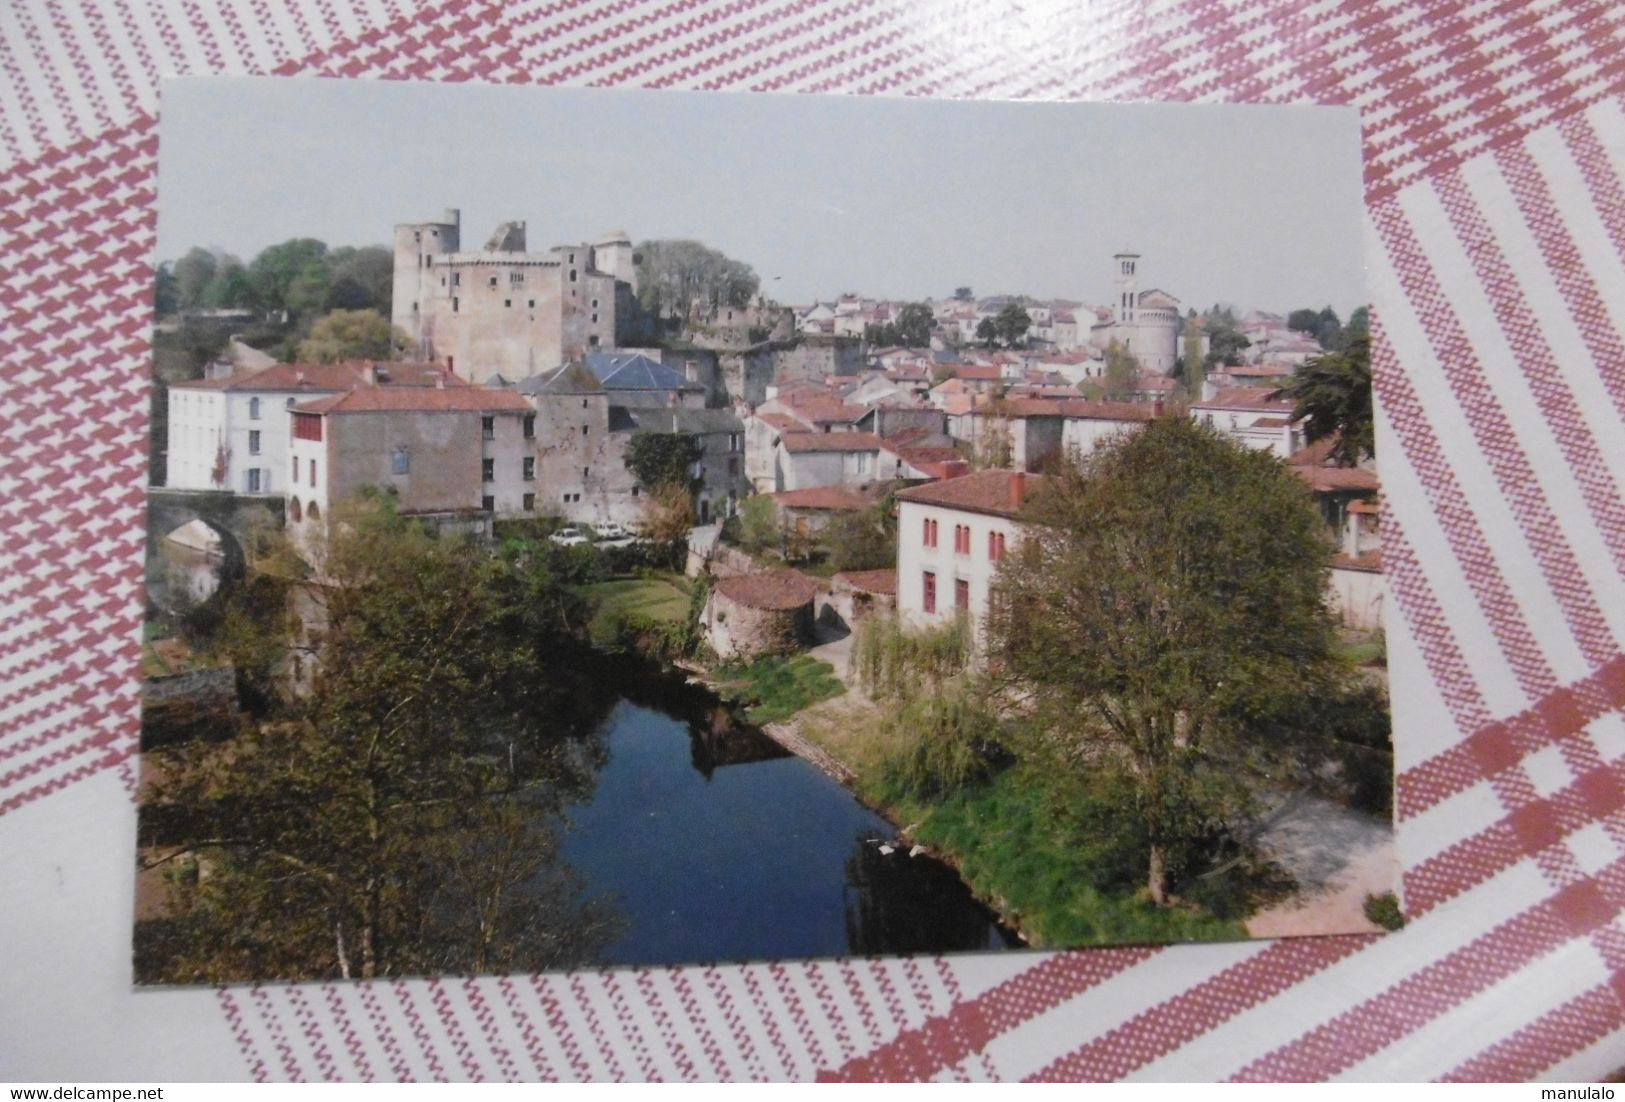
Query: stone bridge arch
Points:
[233, 517]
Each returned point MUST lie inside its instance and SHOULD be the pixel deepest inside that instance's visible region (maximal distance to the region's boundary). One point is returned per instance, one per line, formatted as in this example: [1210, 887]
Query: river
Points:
[717, 845]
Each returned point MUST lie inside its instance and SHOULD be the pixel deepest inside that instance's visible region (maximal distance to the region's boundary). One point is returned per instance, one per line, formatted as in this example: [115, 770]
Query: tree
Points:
[1169, 589]
[353, 335]
[664, 459]
[759, 527]
[987, 331]
[1012, 324]
[1122, 378]
[278, 269]
[166, 297]
[396, 820]
[964, 294]
[1191, 362]
[914, 324]
[668, 513]
[362, 279]
[676, 276]
[1332, 396]
[231, 286]
[862, 540]
[1225, 342]
[192, 274]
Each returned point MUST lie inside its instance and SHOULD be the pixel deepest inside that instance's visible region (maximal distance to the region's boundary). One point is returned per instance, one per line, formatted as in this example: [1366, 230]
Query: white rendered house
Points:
[951, 536]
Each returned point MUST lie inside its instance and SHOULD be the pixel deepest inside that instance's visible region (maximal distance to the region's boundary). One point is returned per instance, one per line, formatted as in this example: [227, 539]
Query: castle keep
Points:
[501, 310]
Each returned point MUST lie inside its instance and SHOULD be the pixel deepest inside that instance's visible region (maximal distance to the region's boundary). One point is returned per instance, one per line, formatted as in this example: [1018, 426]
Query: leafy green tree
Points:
[1225, 342]
[1122, 378]
[759, 527]
[1303, 321]
[987, 331]
[192, 274]
[862, 540]
[278, 269]
[361, 279]
[963, 294]
[1332, 396]
[395, 819]
[1170, 587]
[883, 335]
[231, 287]
[914, 324]
[353, 335]
[664, 458]
[1012, 324]
[166, 298]
[1191, 363]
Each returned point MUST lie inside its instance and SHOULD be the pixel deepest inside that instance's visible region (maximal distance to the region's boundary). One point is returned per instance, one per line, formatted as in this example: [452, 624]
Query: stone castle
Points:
[504, 311]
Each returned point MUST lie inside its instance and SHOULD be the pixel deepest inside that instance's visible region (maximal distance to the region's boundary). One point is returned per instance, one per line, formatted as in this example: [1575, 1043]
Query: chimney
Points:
[1018, 488]
[369, 373]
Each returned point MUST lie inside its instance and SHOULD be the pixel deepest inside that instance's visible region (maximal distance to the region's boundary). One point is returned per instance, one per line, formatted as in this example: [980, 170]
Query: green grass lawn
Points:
[1044, 878]
[777, 688]
[657, 598]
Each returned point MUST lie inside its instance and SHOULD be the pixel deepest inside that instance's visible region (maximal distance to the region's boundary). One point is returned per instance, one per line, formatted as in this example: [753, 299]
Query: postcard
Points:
[593, 528]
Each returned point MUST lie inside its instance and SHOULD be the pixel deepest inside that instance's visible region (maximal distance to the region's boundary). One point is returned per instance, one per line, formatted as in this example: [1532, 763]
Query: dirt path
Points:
[1337, 856]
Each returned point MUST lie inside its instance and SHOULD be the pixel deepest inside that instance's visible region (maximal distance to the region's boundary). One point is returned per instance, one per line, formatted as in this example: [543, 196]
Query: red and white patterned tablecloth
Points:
[1494, 139]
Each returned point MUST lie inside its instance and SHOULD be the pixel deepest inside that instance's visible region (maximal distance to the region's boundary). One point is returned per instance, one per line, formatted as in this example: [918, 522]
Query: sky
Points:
[1259, 207]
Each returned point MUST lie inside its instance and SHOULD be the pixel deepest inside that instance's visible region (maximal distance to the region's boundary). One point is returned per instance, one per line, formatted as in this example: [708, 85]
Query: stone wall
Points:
[739, 632]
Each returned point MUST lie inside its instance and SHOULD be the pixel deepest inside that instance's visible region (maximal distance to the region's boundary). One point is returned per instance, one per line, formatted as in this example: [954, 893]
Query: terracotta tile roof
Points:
[823, 409]
[469, 399]
[1263, 399]
[979, 373]
[1333, 479]
[332, 377]
[870, 581]
[836, 499]
[774, 590]
[1000, 493]
[798, 442]
[1079, 408]
[1369, 562]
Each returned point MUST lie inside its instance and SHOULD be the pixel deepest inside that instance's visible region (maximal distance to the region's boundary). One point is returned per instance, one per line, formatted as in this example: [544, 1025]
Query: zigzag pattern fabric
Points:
[1494, 140]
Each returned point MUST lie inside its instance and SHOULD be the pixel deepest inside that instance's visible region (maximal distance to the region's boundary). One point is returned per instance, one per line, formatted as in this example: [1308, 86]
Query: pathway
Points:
[1338, 857]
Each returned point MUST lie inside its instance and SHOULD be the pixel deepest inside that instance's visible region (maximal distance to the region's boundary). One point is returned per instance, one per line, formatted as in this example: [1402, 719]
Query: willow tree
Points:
[1168, 590]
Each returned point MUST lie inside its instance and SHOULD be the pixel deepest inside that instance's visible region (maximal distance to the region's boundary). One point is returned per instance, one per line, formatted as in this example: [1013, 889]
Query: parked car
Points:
[569, 537]
[611, 531]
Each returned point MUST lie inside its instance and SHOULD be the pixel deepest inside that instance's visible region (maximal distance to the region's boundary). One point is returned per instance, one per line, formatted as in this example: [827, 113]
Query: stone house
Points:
[808, 459]
[751, 615]
[951, 537]
[460, 451]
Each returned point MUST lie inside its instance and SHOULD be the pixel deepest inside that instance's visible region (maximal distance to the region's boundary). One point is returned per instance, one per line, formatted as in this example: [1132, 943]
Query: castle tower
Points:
[1126, 284]
[416, 246]
[612, 255]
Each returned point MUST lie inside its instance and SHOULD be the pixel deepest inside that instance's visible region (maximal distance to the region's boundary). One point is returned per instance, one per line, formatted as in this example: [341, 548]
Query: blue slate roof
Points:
[635, 371]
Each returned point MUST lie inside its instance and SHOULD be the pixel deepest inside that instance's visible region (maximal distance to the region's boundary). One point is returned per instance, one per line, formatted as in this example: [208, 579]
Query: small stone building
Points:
[751, 615]
[856, 595]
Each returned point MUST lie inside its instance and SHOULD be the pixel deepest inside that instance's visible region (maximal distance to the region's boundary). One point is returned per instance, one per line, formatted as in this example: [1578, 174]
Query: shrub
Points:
[940, 742]
[893, 661]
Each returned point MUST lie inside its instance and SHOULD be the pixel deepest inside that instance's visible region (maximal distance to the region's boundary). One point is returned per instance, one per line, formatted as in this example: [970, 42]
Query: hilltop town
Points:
[525, 375]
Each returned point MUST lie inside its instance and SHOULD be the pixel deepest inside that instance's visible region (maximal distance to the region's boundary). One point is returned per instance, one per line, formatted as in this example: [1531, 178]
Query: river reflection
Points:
[716, 845]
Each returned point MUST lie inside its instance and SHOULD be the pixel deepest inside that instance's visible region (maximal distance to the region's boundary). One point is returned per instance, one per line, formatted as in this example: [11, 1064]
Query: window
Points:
[863, 462]
[929, 597]
[527, 468]
[595, 318]
[456, 279]
[962, 595]
[583, 430]
[253, 409]
[493, 281]
[314, 513]
[488, 469]
[733, 465]
[488, 427]
[307, 426]
[454, 304]
[515, 278]
[595, 304]
[634, 491]
[572, 275]
[254, 442]
[583, 403]
[296, 468]
[585, 472]
[593, 340]
[291, 401]
[735, 441]
[400, 461]
[253, 483]
[528, 503]
[961, 539]
[930, 536]
[313, 475]
[995, 546]
[507, 302]
[488, 503]
[294, 512]
[530, 426]
[533, 304]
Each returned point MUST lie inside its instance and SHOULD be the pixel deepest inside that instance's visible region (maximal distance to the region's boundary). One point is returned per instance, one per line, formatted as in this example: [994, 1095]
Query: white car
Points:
[568, 537]
[611, 531]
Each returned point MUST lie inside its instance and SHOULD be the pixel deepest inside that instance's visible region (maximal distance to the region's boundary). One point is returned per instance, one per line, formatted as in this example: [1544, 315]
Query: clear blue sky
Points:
[900, 198]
